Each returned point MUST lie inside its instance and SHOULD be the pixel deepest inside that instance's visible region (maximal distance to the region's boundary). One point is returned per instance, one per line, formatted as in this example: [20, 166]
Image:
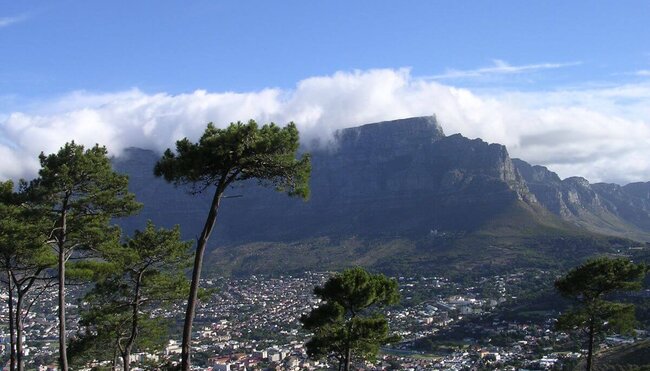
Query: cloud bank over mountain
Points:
[601, 133]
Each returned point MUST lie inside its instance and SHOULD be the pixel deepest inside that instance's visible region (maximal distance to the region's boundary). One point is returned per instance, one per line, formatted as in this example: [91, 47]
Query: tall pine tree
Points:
[80, 193]
[221, 158]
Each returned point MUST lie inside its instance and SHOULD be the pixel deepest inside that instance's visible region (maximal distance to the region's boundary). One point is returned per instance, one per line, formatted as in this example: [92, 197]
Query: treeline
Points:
[57, 229]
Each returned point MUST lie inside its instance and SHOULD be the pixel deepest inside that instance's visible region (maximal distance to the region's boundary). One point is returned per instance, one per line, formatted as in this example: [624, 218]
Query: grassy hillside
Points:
[518, 237]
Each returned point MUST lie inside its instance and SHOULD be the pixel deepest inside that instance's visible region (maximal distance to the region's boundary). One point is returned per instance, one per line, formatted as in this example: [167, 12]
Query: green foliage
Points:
[588, 285]
[100, 343]
[80, 186]
[22, 243]
[24, 260]
[221, 157]
[599, 277]
[239, 152]
[605, 315]
[348, 321]
[146, 275]
[78, 193]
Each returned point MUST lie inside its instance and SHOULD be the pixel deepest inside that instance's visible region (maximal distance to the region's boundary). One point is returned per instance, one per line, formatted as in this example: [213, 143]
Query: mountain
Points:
[397, 195]
[601, 207]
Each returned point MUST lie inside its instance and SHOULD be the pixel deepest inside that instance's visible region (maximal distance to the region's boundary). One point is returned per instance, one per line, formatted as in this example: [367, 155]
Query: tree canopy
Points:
[80, 194]
[589, 285]
[236, 153]
[24, 258]
[349, 323]
[222, 157]
[146, 275]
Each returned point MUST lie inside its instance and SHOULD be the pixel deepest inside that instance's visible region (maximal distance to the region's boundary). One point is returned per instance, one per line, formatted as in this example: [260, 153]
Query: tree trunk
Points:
[348, 355]
[63, 357]
[12, 331]
[126, 360]
[196, 276]
[22, 288]
[126, 355]
[590, 349]
[20, 365]
[348, 342]
[116, 356]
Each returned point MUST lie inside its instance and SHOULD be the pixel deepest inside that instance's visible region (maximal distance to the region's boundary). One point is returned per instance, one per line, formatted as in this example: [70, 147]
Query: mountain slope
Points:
[395, 178]
[601, 208]
[396, 195]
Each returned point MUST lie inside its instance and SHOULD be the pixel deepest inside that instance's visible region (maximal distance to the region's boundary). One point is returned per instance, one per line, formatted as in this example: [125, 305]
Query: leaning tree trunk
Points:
[196, 276]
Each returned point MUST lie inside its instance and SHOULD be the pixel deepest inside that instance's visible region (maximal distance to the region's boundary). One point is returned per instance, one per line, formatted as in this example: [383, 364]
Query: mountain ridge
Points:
[601, 207]
[402, 180]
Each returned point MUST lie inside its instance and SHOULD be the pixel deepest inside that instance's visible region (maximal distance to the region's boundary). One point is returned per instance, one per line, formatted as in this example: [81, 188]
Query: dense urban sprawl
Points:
[253, 323]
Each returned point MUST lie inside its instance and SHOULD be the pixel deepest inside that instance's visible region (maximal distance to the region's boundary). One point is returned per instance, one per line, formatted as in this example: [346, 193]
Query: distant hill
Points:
[402, 196]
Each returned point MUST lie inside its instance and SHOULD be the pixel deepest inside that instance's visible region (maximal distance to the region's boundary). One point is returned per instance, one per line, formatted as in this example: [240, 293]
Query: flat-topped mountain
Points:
[401, 177]
[401, 180]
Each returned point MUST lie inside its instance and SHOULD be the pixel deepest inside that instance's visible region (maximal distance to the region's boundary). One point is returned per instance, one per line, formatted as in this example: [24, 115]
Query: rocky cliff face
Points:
[630, 202]
[401, 178]
[401, 196]
[603, 208]
[395, 178]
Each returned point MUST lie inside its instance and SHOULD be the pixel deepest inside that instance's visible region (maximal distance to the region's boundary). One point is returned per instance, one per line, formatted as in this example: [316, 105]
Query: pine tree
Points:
[221, 158]
[24, 258]
[588, 285]
[348, 322]
[146, 276]
[80, 193]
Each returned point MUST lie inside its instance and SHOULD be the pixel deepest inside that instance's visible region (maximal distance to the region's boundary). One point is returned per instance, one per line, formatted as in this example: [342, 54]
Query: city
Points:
[253, 323]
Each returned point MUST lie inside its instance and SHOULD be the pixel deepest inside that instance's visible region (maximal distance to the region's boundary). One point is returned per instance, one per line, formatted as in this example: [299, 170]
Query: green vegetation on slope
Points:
[518, 237]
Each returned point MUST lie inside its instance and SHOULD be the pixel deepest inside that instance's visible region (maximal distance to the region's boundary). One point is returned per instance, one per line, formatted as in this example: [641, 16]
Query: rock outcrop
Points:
[601, 207]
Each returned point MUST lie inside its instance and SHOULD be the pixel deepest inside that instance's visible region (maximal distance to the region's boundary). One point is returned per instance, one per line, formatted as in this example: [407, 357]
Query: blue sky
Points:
[56, 47]
[505, 70]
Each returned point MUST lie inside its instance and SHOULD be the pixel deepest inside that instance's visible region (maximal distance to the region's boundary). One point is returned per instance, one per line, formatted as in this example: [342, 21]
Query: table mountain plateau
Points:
[402, 196]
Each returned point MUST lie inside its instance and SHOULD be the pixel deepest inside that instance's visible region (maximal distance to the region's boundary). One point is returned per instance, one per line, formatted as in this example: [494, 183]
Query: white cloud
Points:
[642, 73]
[8, 21]
[601, 133]
[499, 67]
